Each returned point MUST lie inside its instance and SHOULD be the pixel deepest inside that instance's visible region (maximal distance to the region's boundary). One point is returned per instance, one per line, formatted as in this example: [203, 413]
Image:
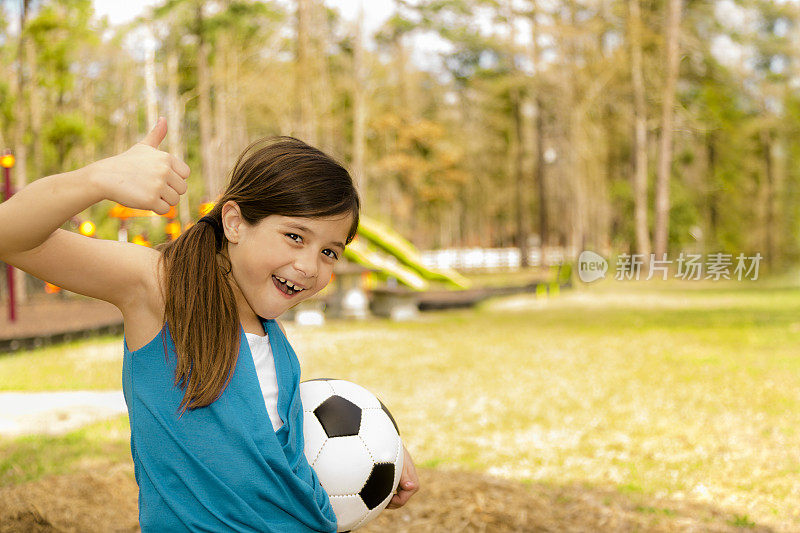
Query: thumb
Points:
[157, 134]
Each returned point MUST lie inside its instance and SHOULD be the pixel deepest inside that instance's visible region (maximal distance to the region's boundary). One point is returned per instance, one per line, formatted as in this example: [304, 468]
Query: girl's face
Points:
[281, 261]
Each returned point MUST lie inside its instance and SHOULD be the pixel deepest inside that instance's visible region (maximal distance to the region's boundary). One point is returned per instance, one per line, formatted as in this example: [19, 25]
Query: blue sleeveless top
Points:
[221, 467]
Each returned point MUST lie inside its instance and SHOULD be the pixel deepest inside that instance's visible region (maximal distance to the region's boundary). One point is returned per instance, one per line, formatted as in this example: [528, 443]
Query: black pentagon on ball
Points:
[378, 486]
[339, 417]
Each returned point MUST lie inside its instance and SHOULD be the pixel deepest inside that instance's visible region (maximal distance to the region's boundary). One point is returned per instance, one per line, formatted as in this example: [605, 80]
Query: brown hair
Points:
[273, 176]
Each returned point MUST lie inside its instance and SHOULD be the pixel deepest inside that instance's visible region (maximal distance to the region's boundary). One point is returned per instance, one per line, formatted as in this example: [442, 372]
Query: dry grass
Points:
[684, 393]
[104, 499]
[623, 407]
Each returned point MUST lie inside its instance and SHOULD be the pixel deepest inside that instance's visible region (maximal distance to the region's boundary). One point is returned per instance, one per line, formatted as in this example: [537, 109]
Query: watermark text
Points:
[687, 266]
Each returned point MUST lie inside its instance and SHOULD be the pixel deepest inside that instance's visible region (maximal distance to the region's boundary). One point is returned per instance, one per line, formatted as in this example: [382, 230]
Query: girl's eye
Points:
[327, 251]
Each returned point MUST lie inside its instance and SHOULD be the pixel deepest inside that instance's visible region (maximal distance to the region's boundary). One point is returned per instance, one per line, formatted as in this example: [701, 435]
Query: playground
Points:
[560, 241]
[624, 407]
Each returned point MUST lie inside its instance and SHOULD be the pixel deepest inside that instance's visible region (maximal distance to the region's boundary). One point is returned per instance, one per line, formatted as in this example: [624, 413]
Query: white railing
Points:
[488, 258]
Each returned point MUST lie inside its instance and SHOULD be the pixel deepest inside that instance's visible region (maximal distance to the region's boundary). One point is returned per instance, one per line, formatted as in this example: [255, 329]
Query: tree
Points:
[359, 106]
[664, 171]
[640, 131]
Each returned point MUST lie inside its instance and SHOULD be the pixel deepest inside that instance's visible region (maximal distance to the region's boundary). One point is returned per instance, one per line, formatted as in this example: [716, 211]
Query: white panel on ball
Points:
[350, 510]
[381, 438]
[373, 513]
[314, 436]
[314, 393]
[355, 393]
[344, 461]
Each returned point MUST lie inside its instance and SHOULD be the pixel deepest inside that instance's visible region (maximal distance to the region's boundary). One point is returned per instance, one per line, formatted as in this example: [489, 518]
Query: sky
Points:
[426, 48]
[376, 12]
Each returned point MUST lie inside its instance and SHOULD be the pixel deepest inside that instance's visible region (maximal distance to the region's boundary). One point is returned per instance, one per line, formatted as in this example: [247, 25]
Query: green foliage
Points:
[63, 133]
[6, 104]
[439, 145]
[742, 521]
[683, 215]
[60, 30]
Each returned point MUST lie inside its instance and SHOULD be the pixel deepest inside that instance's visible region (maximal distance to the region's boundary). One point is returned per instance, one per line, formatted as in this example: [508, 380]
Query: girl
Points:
[210, 380]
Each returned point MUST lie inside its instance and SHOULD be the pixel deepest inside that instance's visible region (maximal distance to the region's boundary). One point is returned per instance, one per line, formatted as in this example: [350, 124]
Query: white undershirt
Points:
[267, 379]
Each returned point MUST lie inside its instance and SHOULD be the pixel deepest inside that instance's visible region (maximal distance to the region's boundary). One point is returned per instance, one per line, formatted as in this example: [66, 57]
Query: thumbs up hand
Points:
[143, 177]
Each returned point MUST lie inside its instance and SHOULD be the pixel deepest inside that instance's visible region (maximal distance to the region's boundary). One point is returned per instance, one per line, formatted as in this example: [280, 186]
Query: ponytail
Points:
[200, 310]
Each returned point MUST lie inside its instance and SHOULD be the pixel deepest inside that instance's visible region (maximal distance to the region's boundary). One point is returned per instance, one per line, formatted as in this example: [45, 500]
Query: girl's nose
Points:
[306, 265]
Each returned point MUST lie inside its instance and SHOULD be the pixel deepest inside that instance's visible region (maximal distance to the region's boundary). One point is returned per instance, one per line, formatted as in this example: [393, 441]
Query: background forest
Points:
[612, 125]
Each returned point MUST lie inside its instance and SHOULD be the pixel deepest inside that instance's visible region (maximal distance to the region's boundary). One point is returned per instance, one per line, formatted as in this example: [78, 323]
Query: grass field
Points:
[684, 392]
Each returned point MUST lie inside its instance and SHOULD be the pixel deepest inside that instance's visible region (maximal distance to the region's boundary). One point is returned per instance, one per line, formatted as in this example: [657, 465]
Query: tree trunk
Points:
[322, 79]
[577, 235]
[667, 116]
[538, 143]
[359, 109]
[132, 79]
[544, 222]
[640, 133]
[221, 81]
[125, 113]
[406, 197]
[151, 98]
[767, 196]
[174, 121]
[22, 122]
[519, 179]
[576, 205]
[37, 159]
[239, 128]
[713, 192]
[205, 118]
[151, 101]
[780, 199]
[307, 127]
[518, 145]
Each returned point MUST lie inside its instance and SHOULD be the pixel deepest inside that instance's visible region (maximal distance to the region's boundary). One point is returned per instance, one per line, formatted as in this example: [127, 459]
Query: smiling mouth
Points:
[284, 288]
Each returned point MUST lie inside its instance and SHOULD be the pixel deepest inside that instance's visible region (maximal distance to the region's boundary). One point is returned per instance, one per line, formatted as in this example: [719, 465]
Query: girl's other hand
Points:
[409, 483]
[143, 177]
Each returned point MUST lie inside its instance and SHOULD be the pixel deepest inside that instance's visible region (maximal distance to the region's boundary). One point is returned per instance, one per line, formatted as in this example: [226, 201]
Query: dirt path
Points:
[104, 498]
[56, 413]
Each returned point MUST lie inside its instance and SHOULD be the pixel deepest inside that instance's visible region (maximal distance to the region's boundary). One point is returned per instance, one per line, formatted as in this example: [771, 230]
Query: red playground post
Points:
[7, 161]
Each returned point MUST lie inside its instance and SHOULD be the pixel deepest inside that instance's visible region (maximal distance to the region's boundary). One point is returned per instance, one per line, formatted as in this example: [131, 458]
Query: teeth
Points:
[289, 284]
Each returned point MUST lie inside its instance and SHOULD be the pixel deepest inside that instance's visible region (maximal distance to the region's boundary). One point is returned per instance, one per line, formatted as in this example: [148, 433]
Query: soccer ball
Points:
[353, 444]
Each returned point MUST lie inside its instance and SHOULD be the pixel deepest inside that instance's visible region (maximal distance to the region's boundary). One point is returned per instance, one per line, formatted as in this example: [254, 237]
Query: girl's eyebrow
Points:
[307, 230]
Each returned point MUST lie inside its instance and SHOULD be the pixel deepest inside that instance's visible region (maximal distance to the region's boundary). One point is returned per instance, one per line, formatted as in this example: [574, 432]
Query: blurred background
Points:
[492, 142]
[604, 125]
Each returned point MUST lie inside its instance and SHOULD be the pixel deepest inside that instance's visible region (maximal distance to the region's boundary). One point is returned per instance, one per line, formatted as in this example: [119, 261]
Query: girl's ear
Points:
[231, 221]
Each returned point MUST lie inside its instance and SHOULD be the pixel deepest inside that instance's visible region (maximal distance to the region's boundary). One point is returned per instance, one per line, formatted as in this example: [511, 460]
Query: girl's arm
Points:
[35, 212]
[30, 238]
